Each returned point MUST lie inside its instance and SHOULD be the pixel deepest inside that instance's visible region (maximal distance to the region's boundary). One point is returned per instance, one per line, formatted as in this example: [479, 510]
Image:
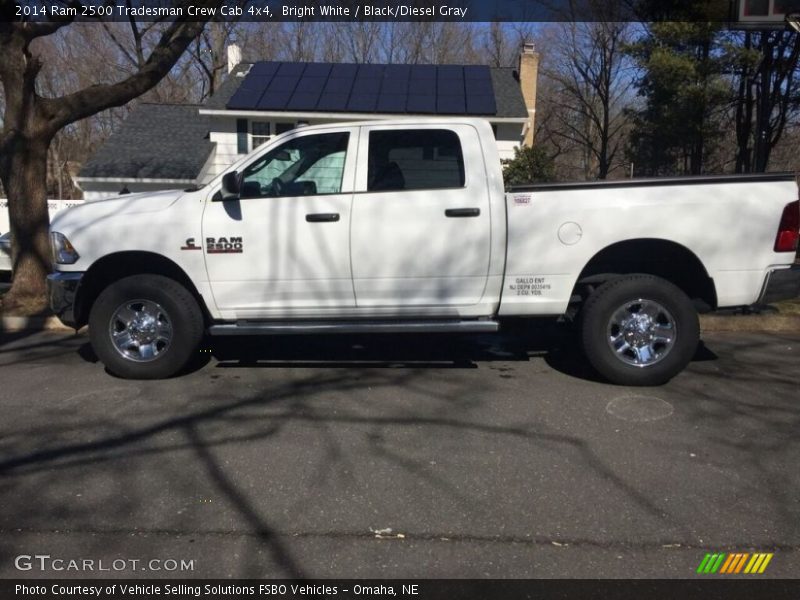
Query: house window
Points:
[259, 134]
[241, 137]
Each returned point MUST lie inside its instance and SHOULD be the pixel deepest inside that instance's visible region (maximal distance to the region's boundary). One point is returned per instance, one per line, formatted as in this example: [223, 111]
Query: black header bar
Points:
[723, 11]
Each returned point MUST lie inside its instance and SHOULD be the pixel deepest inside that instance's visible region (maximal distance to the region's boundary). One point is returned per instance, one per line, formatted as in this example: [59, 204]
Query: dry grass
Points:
[789, 307]
[767, 323]
[785, 319]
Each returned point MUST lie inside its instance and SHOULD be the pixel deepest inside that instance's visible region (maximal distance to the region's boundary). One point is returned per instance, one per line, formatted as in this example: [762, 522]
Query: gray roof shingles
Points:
[156, 141]
[508, 94]
[228, 88]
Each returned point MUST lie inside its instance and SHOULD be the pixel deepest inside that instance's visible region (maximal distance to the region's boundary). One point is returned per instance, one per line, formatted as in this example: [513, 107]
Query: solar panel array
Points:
[337, 87]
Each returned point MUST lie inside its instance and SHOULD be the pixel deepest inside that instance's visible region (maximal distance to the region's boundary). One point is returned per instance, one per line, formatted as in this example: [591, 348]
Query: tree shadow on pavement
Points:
[166, 440]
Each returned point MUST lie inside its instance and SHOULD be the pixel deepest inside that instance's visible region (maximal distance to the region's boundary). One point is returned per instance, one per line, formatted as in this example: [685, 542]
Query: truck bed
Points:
[727, 222]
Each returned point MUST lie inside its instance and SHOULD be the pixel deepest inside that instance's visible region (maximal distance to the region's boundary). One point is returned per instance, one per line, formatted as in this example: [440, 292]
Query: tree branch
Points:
[88, 101]
[40, 29]
[120, 46]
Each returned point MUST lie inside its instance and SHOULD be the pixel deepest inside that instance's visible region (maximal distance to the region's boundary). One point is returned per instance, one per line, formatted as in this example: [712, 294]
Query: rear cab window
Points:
[414, 159]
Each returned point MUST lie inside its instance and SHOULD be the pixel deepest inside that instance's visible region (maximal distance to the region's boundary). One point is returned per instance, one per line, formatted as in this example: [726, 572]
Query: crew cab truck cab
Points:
[405, 226]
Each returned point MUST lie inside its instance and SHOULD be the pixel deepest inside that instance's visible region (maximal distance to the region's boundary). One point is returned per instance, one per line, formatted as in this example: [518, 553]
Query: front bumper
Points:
[781, 284]
[62, 289]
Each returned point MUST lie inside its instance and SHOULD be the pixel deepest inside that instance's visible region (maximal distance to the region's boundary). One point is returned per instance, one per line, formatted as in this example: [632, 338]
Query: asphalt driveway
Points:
[396, 456]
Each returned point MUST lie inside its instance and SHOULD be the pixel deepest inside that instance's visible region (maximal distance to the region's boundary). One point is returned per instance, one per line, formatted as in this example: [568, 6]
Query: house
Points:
[162, 146]
[159, 146]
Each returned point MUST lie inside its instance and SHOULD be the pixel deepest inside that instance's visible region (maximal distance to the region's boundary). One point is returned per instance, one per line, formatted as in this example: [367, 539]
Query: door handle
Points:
[462, 212]
[322, 217]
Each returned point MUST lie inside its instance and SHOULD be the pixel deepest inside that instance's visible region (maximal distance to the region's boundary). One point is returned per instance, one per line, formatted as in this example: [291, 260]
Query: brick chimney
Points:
[528, 76]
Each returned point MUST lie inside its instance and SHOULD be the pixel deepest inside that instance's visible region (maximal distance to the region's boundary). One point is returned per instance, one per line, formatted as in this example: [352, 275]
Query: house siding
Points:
[509, 137]
[225, 137]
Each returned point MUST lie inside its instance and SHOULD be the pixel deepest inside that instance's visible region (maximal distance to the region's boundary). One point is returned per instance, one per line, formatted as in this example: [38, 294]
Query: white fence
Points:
[52, 205]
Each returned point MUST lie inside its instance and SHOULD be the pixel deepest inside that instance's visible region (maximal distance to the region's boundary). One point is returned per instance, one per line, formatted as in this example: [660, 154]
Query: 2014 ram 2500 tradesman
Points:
[404, 226]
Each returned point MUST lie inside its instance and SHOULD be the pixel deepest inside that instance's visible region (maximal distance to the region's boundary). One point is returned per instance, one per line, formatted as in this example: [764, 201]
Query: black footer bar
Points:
[390, 589]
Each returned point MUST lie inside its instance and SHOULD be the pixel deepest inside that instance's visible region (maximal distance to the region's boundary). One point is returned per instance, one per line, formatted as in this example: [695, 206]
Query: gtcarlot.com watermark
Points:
[46, 563]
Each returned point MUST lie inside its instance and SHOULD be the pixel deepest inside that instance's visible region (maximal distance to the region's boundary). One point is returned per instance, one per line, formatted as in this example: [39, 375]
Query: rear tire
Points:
[145, 327]
[639, 330]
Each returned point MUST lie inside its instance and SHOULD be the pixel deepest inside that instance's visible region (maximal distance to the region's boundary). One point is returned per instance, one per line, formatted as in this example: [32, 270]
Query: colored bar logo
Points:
[734, 563]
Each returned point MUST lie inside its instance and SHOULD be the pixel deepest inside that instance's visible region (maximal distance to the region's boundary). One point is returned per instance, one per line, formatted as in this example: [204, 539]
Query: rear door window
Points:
[426, 159]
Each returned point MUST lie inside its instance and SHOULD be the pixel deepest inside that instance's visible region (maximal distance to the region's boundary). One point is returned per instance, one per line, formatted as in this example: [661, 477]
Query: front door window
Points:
[310, 165]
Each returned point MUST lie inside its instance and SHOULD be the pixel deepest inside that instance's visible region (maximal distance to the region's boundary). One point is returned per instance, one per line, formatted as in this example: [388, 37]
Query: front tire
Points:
[639, 330]
[145, 327]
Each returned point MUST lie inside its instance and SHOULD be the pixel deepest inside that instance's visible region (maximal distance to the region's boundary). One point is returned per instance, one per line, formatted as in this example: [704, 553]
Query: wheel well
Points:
[116, 266]
[661, 258]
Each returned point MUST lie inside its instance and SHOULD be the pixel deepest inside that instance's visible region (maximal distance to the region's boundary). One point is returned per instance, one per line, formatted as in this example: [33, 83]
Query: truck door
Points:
[283, 247]
[420, 235]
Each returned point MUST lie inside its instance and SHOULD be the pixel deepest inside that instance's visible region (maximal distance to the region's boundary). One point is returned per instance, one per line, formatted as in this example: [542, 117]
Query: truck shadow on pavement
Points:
[556, 343]
[412, 350]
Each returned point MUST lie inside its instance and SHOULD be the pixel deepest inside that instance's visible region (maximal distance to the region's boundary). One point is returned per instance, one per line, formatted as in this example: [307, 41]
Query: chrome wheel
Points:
[641, 332]
[140, 330]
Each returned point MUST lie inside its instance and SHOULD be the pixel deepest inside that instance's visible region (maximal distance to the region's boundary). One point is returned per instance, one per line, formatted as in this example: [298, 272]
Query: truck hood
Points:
[96, 211]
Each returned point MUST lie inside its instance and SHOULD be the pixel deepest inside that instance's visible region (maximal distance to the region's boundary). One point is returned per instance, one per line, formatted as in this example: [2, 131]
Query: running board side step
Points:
[304, 327]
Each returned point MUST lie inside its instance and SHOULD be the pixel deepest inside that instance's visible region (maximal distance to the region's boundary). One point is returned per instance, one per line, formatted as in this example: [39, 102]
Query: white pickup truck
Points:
[404, 226]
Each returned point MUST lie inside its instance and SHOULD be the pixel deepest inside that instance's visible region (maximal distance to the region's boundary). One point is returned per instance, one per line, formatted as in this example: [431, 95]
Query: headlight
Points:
[63, 252]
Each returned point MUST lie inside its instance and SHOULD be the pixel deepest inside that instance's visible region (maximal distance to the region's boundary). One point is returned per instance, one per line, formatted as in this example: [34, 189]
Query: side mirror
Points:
[231, 184]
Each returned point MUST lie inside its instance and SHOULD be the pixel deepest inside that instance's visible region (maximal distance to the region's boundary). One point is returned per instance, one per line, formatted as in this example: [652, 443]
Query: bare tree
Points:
[408, 43]
[209, 55]
[300, 41]
[427, 42]
[587, 67]
[260, 41]
[333, 50]
[31, 121]
[363, 41]
[502, 42]
[765, 94]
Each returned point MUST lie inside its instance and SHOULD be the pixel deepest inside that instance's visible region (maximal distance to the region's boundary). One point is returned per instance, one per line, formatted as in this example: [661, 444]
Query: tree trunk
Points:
[744, 114]
[29, 124]
[23, 170]
[29, 218]
[763, 129]
[604, 165]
